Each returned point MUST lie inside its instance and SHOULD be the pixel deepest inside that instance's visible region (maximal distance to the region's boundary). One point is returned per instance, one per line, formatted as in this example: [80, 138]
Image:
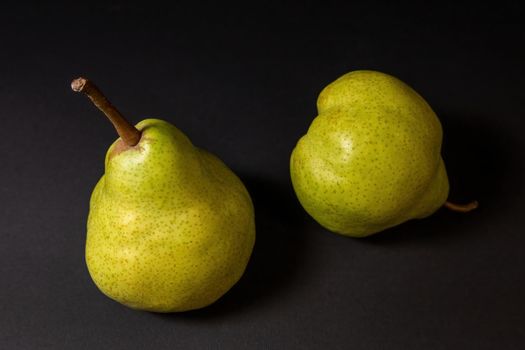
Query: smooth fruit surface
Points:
[170, 227]
[371, 158]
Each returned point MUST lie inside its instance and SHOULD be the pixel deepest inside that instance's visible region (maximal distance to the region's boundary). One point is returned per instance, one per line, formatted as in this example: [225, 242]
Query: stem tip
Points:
[78, 84]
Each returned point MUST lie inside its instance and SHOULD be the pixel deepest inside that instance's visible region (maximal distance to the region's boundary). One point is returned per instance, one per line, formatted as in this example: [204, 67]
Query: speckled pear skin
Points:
[371, 158]
[170, 227]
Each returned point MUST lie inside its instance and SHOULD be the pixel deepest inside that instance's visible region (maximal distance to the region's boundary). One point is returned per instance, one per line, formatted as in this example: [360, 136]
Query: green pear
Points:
[371, 159]
[170, 227]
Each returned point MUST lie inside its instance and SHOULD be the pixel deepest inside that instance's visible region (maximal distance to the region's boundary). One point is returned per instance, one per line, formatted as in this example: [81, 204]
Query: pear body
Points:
[170, 227]
[371, 158]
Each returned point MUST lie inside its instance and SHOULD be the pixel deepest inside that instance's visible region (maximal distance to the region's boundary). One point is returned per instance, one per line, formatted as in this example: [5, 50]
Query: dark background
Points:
[242, 81]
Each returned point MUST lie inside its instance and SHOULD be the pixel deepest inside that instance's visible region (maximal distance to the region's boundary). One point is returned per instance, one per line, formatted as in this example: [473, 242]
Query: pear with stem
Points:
[170, 227]
[372, 158]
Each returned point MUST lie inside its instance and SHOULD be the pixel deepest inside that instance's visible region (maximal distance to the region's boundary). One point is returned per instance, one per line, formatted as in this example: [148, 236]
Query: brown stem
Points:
[127, 132]
[461, 208]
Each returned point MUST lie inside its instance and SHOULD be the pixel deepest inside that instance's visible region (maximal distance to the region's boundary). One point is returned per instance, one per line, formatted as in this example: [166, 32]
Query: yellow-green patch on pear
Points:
[170, 227]
[371, 158]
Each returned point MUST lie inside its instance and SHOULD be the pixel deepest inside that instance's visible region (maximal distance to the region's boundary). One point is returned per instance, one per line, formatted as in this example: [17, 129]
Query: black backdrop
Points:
[242, 81]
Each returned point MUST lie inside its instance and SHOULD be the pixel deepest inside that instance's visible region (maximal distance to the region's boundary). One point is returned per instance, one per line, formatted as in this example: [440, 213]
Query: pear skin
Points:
[371, 159]
[170, 227]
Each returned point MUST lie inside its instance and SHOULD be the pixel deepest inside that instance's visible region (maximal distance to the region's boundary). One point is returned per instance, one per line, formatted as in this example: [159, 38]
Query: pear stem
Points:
[461, 208]
[127, 132]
